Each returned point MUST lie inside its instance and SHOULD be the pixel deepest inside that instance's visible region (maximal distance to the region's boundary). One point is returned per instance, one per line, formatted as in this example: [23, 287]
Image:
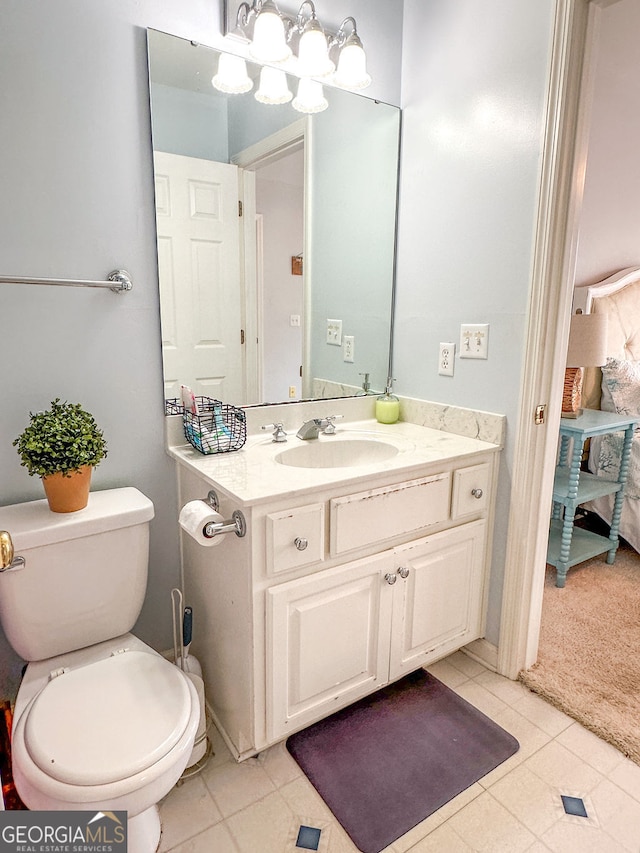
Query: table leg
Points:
[619, 498]
[569, 514]
[562, 463]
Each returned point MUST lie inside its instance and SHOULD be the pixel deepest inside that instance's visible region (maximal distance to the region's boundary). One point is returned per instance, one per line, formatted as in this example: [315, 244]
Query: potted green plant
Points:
[62, 446]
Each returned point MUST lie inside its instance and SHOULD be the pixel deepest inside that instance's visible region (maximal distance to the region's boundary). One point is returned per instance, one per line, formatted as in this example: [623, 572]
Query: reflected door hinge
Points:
[539, 417]
[241, 336]
[239, 208]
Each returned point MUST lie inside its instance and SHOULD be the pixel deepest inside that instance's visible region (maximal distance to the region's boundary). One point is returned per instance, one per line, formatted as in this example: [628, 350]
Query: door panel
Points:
[438, 606]
[199, 271]
[329, 641]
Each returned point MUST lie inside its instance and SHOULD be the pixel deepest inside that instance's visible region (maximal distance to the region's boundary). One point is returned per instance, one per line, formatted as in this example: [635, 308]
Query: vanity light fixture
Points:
[301, 42]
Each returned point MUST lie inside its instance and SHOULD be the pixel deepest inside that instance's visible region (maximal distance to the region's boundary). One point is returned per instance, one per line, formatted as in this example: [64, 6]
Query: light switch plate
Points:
[474, 340]
[334, 332]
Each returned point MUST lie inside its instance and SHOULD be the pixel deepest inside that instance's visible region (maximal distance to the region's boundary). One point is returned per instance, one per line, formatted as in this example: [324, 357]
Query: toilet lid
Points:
[108, 720]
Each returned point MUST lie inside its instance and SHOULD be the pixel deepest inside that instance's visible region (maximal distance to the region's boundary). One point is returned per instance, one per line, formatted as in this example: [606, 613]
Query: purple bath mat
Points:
[393, 758]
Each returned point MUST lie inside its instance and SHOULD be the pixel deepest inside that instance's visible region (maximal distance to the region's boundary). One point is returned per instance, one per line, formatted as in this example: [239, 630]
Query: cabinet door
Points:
[437, 607]
[327, 641]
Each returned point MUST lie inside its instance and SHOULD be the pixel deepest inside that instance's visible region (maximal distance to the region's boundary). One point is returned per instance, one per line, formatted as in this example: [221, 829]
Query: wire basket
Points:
[219, 428]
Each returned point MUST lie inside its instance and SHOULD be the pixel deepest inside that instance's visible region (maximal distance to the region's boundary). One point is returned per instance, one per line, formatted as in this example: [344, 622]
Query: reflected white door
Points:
[199, 271]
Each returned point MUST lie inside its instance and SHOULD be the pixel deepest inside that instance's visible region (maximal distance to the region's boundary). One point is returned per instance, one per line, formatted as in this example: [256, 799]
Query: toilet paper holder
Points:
[236, 524]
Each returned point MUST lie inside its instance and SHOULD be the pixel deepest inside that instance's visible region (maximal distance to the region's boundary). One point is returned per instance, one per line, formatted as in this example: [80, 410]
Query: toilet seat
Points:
[107, 720]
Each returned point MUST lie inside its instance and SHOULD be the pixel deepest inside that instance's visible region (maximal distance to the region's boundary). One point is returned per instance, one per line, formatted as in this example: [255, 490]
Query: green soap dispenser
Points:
[387, 406]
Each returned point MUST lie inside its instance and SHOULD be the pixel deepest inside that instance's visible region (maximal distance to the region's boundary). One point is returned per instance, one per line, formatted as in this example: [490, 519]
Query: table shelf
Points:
[589, 487]
[584, 545]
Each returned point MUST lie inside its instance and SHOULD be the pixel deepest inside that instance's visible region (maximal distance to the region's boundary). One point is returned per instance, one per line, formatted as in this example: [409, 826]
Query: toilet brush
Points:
[192, 669]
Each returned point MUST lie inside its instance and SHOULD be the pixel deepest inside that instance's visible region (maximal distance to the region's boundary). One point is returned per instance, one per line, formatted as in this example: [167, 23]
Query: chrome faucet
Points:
[313, 428]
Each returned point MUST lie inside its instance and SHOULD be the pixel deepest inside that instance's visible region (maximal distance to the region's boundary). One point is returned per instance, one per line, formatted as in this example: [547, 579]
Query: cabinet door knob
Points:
[300, 543]
[390, 578]
[477, 493]
[403, 571]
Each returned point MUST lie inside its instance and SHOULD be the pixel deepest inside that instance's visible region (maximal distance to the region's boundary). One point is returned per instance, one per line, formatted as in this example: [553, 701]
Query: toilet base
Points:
[143, 831]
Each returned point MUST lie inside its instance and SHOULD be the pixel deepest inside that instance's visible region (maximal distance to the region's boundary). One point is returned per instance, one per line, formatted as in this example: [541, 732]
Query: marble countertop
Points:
[254, 475]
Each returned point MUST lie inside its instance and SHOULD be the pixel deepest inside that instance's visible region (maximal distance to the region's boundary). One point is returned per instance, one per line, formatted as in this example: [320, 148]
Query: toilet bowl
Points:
[112, 730]
[106, 726]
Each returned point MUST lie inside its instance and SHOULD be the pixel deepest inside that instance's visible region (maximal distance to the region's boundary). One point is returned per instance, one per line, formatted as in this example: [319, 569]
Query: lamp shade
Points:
[587, 340]
[274, 88]
[232, 76]
[310, 97]
[351, 72]
[269, 39]
[313, 53]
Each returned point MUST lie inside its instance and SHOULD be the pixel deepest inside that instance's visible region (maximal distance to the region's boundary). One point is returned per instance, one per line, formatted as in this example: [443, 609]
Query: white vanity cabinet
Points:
[336, 635]
[336, 589]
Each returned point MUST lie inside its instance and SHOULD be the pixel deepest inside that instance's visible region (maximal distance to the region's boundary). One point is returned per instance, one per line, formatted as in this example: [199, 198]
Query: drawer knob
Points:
[390, 578]
[477, 493]
[403, 571]
[300, 543]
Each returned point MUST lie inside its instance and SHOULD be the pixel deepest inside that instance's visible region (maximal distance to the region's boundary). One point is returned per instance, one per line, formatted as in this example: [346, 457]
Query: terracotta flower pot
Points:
[68, 494]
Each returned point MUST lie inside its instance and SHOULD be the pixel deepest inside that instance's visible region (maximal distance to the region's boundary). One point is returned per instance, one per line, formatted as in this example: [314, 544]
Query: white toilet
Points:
[102, 721]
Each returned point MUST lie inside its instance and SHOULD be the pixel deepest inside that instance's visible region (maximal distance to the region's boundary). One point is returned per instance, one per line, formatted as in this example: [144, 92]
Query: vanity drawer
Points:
[295, 538]
[470, 490]
[379, 514]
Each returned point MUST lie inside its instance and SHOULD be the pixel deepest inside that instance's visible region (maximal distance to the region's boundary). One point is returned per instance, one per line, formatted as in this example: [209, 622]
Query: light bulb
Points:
[273, 88]
[310, 97]
[232, 76]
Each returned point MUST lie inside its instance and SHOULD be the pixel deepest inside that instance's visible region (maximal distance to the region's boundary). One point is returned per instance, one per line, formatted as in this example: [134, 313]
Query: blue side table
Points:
[569, 545]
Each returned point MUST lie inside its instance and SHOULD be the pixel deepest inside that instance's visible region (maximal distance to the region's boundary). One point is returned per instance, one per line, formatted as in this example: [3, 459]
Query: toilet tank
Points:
[85, 575]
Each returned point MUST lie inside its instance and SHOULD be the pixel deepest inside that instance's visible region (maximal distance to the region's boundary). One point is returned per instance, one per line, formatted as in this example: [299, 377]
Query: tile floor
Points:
[258, 806]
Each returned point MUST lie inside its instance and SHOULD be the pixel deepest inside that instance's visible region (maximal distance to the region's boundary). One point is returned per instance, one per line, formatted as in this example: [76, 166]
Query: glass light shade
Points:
[273, 88]
[313, 52]
[352, 66]
[310, 97]
[269, 42]
[232, 76]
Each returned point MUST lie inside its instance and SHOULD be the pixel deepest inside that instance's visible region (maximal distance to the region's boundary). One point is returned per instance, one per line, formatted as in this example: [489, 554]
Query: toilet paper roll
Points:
[193, 518]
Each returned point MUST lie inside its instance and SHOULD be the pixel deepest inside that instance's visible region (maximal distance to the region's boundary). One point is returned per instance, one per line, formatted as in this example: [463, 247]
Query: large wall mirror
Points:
[276, 235]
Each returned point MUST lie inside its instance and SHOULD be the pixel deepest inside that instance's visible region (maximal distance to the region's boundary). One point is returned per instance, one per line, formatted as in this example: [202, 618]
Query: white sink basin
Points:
[337, 453]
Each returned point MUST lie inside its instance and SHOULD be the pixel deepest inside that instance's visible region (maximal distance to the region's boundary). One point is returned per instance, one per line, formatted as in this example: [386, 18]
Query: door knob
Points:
[390, 578]
[403, 571]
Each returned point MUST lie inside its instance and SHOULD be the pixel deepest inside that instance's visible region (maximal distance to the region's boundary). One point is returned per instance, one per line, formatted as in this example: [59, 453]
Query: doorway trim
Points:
[561, 192]
[268, 150]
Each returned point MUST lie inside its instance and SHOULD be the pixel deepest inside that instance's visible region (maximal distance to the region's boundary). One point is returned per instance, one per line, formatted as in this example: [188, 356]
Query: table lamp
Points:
[587, 348]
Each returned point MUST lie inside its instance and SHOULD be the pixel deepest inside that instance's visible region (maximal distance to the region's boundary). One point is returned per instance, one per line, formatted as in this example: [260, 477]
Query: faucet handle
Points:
[331, 427]
[279, 434]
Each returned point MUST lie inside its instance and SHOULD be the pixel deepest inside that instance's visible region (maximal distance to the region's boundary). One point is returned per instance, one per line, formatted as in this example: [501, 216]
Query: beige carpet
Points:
[589, 656]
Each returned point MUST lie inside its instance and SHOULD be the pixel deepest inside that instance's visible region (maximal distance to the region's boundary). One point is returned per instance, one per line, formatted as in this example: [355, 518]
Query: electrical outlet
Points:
[294, 320]
[446, 359]
[348, 347]
[474, 340]
[334, 332]
[292, 391]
